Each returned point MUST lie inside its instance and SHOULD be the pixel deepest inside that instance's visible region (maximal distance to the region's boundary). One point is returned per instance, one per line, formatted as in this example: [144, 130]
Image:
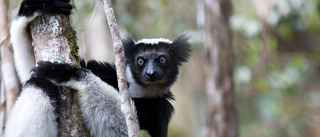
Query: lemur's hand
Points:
[57, 72]
[30, 7]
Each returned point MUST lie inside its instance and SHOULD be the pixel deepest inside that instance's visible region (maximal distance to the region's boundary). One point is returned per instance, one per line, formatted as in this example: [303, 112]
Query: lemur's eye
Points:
[163, 60]
[140, 62]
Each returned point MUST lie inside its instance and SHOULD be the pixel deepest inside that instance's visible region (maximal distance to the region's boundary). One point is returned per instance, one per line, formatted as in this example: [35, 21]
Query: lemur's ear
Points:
[128, 44]
[180, 48]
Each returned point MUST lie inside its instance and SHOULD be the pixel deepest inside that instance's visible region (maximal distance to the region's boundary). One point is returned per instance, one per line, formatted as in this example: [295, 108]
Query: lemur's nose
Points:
[151, 74]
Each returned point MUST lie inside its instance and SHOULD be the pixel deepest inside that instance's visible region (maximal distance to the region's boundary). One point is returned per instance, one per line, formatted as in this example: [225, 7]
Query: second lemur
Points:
[152, 67]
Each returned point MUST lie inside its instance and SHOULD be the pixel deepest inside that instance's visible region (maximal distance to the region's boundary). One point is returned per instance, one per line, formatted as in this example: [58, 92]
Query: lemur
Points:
[152, 67]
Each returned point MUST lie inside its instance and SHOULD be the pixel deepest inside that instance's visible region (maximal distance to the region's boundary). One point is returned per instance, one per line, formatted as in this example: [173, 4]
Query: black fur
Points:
[29, 7]
[176, 53]
[129, 45]
[104, 71]
[57, 72]
[180, 49]
[154, 115]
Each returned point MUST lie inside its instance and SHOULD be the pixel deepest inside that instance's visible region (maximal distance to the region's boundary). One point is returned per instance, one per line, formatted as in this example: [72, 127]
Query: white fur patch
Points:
[33, 115]
[22, 47]
[138, 91]
[154, 41]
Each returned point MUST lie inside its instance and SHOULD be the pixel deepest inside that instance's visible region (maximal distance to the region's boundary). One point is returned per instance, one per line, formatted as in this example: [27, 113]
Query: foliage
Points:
[143, 133]
[276, 77]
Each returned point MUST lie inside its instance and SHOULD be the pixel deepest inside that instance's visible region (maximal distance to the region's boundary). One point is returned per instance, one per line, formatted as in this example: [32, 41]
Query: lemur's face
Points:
[155, 62]
[154, 66]
[151, 66]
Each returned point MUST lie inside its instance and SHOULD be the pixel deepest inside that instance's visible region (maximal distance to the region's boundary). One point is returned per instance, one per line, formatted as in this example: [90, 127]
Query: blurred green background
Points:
[277, 59]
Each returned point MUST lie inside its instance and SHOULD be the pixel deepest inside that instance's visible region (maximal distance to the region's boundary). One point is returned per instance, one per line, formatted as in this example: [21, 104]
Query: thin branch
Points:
[4, 40]
[2, 103]
[127, 106]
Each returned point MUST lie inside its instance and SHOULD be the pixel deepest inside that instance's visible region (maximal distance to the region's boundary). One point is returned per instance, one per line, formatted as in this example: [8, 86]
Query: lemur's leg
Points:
[35, 111]
[99, 102]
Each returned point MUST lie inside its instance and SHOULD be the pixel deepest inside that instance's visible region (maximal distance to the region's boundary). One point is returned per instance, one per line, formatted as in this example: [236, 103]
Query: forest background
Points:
[275, 51]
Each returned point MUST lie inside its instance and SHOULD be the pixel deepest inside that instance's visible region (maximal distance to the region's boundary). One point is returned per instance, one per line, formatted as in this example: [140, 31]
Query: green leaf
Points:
[143, 133]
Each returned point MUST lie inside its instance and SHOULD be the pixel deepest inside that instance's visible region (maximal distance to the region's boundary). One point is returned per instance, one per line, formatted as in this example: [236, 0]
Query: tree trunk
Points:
[9, 76]
[218, 53]
[54, 39]
[127, 107]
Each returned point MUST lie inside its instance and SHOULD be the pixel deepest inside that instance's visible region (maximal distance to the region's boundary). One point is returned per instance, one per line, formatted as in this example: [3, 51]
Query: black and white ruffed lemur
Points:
[152, 67]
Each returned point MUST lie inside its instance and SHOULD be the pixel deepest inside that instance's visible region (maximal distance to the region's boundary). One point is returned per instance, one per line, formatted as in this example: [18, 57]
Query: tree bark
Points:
[219, 59]
[54, 39]
[9, 76]
[127, 106]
